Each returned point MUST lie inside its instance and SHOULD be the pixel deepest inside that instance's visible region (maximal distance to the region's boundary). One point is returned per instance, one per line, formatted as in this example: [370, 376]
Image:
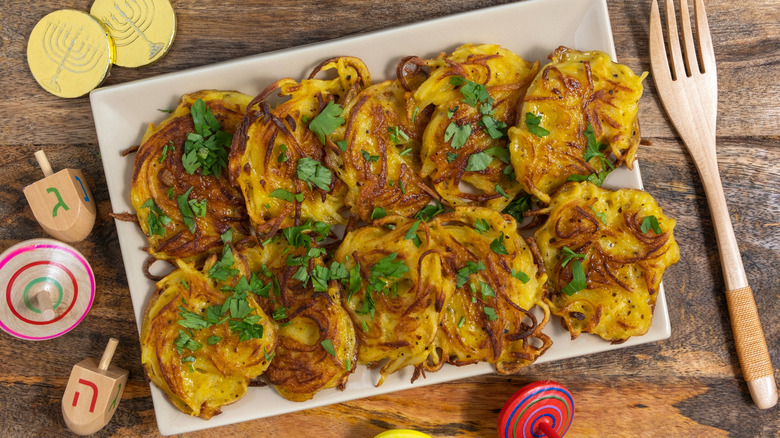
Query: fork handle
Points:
[748, 335]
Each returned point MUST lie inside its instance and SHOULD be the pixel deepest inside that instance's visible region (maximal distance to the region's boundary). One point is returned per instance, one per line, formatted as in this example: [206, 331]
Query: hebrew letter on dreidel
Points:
[93, 392]
[70, 213]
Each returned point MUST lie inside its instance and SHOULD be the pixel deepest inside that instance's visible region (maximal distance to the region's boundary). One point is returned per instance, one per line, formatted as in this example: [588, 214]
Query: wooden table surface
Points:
[688, 385]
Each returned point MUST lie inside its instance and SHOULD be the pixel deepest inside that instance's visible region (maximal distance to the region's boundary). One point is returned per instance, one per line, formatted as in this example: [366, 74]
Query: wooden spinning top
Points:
[93, 392]
[61, 202]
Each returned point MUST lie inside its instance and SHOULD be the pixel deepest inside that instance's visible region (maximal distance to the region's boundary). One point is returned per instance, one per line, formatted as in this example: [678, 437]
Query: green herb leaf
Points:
[486, 290]
[223, 268]
[451, 112]
[495, 129]
[246, 329]
[327, 121]
[283, 154]
[385, 269]
[313, 172]
[404, 152]
[650, 222]
[481, 226]
[429, 211]
[500, 191]
[186, 211]
[412, 233]
[198, 207]
[517, 207]
[227, 236]
[328, 346]
[594, 147]
[568, 254]
[602, 216]
[155, 219]
[319, 278]
[461, 321]
[168, 147]
[497, 245]
[578, 282]
[213, 339]
[491, 313]
[462, 277]
[185, 341]
[520, 275]
[354, 280]
[472, 92]
[378, 213]
[207, 148]
[284, 195]
[458, 134]
[478, 162]
[451, 156]
[499, 152]
[368, 157]
[191, 320]
[279, 313]
[342, 145]
[533, 121]
[364, 326]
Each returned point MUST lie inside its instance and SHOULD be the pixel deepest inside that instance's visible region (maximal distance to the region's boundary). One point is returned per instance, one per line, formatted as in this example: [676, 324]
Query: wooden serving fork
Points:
[688, 88]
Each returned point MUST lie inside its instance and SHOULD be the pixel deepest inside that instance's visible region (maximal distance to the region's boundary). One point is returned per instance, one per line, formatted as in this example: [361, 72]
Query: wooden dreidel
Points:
[61, 202]
[93, 393]
[540, 409]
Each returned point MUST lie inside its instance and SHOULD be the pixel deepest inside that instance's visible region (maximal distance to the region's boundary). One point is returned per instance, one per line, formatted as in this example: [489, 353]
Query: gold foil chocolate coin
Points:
[69, 53]
[142, 30]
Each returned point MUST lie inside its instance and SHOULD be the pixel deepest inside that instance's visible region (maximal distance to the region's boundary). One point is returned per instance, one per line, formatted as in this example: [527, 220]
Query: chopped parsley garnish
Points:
[412, 233]
[170, 193]
[328, 346]
[185, 341]
[354, 280]
[247, 328]
[206, 148]
[486, 290]
[594, 178]
[319, 278]
[517, 207]
[414, 113]
[223, 268]
[213, 339]
[451, 156]
[397, 136]
[156, 220]
[462, 277]
[327, 121]
[404, 152]
[279, 313]
[491, 313]
[287, 196]
[520, 275]
[458, 134]
[533, 121]
[342, 145]
[364, 326]
[168, 147]
[478, 162]
[451, 112]
[602, 216]
[191, 320]
[283, 154]
[495, 128]
[481, 226]
[313, 172]
[497, 245]
[594, 147]
[378, 213]
[500, 191]
[568, 254]
[650, 223]
[578, 281]
[472, 92]
[227, 236]
[429, 211]
[368, 157]
[186, 211]
[461, 321]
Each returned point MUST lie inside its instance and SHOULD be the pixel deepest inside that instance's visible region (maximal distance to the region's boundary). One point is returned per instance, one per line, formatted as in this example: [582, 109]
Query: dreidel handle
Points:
[108, 353]
[43, 162]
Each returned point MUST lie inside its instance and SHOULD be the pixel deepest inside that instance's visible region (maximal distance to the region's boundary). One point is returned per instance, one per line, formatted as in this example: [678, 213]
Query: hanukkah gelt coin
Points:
[142, 30]
[69, 53]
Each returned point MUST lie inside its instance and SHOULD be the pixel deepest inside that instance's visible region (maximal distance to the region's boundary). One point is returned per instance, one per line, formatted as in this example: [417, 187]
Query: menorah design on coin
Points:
[70, 50]
[129, 21]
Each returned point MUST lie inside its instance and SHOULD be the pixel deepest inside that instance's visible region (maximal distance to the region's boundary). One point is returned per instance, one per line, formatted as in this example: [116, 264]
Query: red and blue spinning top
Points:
[539, 409]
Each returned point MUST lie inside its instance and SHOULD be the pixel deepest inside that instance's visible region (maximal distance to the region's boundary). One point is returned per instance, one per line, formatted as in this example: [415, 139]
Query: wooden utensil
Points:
[688, 88]
[61, 202]
[93, 392]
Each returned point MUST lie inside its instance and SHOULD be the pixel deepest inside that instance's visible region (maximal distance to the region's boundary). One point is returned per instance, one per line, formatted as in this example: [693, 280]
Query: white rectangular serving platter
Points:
[532, 29]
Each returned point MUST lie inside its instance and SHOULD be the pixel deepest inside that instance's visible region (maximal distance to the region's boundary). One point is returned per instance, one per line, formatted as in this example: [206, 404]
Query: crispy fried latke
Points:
[380, 161]
[623, 266]
[311, 324]
[395, 293]
[160, 177]
[498, 284]
[274, 148]
[474, 92]
[574, 90]
[198, 375]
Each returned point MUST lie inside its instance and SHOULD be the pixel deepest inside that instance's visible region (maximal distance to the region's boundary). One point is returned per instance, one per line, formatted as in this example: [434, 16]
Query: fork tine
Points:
[659, 62]
[673, 39]
[689, 50]
[706, 51]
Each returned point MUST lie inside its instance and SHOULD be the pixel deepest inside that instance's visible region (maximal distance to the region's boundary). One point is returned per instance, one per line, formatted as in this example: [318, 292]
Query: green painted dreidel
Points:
[61, 202]
[93, 392]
